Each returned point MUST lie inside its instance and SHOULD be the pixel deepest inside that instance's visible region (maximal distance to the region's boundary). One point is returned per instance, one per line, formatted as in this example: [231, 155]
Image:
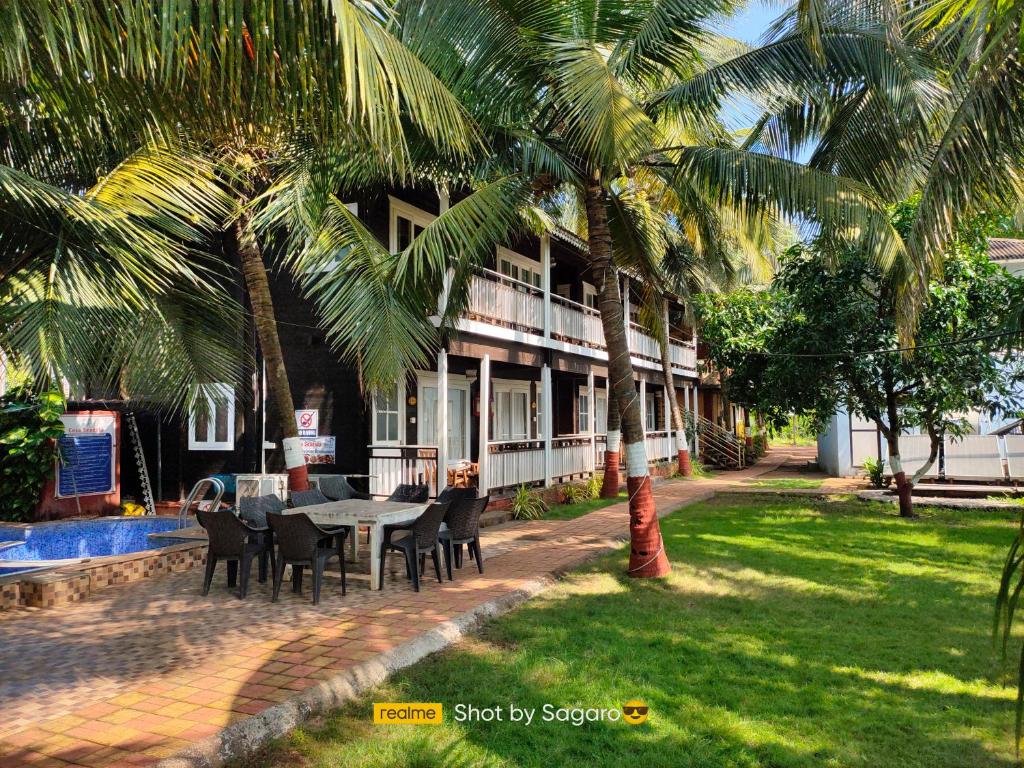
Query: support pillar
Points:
[545, 272]
[442, 420]
[485, 422]
[592, 420]
[548, 421]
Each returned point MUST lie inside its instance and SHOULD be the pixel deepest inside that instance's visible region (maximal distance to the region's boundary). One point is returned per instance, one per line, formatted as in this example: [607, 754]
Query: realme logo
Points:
[407, 713]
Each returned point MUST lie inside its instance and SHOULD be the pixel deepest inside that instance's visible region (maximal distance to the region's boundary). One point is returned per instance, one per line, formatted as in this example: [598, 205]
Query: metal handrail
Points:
[218, 487]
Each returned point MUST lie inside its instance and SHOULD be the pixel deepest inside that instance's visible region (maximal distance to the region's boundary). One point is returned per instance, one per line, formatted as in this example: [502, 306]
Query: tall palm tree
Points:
[88, 84]
[585, 97]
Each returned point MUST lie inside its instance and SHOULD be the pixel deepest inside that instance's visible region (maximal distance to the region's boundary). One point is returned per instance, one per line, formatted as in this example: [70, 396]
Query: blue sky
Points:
[752, 20]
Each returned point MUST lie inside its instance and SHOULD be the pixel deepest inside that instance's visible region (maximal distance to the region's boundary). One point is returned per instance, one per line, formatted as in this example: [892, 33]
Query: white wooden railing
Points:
[495, 297]
[577, 323]
[683, 354]
[571, 456]
[392, 465]
[658, 445]
[642, 345]
[512, 463]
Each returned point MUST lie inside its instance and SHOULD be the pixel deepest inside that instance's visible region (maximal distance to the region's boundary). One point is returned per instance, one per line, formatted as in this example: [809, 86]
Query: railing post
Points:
[545, 393]
[696, 413]
[485, 420]
[592, 420]
[545, 271]
[442, 420]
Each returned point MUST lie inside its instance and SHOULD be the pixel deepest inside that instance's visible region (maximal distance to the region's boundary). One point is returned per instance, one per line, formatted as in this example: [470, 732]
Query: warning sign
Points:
[308, 421]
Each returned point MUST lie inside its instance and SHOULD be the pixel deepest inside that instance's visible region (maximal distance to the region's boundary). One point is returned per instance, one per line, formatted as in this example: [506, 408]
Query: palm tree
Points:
[250, 89]
[584, 99]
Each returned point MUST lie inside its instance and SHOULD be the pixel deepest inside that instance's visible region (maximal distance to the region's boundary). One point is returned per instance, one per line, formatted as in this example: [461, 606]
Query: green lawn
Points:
[787, 483]
[791, 632]
[571, 511]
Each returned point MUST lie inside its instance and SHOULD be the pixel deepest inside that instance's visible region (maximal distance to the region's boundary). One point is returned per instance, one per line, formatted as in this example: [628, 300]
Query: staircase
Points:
[718, 446]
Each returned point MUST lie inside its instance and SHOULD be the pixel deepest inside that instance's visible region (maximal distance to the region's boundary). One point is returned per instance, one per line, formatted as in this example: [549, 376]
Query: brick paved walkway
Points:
[138, 672]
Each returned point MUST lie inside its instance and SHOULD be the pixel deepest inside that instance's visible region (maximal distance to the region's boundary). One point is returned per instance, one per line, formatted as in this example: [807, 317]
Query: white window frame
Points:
[401, 417]
[210, 444]
[457, 381]
[583, 396]
[600, 411]
[521, 262]
[397, 208]
[651, 414]
[510, 386]
[589, 291]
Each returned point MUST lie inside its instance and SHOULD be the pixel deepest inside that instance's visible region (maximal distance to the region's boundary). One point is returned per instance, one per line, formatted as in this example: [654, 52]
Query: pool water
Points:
[78, 539]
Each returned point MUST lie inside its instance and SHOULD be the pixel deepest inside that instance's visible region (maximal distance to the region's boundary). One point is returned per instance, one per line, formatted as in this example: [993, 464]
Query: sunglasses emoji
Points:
[634, 712]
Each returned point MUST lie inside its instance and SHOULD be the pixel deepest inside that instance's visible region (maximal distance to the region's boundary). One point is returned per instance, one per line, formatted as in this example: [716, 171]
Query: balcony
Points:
[503, 302]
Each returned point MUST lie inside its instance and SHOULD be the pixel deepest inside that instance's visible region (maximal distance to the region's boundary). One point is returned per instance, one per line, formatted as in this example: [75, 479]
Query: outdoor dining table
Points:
[356, 512]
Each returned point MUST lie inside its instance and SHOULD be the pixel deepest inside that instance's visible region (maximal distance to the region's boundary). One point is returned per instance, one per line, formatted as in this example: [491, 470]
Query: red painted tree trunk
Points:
[647, 557]
[611, 481]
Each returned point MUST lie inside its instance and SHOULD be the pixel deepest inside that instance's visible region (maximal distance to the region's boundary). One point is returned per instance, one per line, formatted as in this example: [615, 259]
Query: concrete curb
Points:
[245, 737]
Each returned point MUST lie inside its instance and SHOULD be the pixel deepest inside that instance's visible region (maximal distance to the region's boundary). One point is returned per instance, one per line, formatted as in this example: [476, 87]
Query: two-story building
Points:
[517, 395]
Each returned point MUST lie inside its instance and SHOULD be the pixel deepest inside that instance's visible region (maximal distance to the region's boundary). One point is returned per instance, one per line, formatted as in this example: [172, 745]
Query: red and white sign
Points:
[319, 450]
[308, 421]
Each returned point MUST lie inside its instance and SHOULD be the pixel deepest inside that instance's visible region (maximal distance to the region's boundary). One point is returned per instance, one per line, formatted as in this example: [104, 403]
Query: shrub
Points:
[594, 486]
[587, 491]
[875, 470]
[527, 505]
[29, 427]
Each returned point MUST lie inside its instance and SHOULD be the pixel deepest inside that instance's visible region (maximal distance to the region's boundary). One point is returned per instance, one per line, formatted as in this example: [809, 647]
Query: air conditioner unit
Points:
[261, 485]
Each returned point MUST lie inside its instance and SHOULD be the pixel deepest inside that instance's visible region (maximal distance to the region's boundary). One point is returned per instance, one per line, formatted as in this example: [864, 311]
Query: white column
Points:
[643, 407]
[442, 420]
[668, 420]
[485, 420]
[548, 421]
[696, 418]
[545, 280]
[592, 420]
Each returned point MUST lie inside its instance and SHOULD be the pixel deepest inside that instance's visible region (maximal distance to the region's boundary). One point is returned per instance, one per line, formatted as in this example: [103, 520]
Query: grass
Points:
[791, 632]
[1015, 500]
[572, 511]
[786, 483]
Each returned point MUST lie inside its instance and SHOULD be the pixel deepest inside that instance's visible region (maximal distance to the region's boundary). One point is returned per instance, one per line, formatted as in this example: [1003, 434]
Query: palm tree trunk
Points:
[243, 240]
[647, 556]
[682, 450]
[610, 483]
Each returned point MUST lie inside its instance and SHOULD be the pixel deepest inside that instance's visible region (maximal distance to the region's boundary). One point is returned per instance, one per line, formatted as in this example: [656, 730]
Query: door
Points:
[458, 417]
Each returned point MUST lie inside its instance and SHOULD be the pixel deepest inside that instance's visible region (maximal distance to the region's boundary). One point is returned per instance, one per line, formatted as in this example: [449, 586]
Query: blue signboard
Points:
[87, 466]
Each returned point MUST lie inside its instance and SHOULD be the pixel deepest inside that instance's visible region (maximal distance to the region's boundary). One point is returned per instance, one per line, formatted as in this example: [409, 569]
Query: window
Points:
[652, 412]
[458, 414]
[407, 222]
[590, 295]
[510, 419]
[213, 428]
[601, 417]
[583, 412]
[518, 267]
[387, 420]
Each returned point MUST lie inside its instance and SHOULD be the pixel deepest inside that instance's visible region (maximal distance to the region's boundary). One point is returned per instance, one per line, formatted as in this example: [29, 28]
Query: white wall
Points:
[834, 447]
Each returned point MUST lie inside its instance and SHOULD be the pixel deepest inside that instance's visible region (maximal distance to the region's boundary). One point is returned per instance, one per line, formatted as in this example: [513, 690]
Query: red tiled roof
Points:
[1005, 249]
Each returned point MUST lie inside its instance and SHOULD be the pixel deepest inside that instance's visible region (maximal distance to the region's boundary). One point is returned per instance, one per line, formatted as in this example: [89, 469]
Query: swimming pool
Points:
[38, 545]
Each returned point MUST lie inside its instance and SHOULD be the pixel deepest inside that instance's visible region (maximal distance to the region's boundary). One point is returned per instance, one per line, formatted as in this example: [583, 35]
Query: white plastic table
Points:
[356, 512]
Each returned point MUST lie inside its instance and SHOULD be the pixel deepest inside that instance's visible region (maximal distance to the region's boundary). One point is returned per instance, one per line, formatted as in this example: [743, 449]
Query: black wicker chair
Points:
[420, 539]
[237, 543]
[301, 543]
[254, 510]
[308, 498]
[415, 494]
[454, 497]
[463, 523]
[338, 488]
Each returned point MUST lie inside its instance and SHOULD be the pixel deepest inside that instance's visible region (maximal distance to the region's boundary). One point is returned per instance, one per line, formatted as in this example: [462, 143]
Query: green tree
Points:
[825, 337]
[29, 428]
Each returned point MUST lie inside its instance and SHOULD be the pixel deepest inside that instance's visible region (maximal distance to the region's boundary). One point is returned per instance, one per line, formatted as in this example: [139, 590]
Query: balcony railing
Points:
[392, 465]
[683, 354]
[571, 456]
[514, 462]
[576, 323]
[658, 445]
[498, 299]
[642, 345]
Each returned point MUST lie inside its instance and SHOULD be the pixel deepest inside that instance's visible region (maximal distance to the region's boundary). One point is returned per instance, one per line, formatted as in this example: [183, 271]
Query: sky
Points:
[752, 20]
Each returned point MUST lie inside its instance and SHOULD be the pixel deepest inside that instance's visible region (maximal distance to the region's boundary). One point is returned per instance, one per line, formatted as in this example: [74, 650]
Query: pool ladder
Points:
[198, 494]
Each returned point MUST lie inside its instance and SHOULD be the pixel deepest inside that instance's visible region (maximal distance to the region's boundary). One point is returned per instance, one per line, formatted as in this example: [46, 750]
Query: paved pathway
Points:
[137, 673]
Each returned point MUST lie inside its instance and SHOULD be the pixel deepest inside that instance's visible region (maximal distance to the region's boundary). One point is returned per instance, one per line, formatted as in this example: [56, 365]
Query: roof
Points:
[1005, 249]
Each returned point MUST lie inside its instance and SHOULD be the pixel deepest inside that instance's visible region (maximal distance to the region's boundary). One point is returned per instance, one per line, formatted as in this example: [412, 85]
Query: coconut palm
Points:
[86, 84]
[585, 98]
